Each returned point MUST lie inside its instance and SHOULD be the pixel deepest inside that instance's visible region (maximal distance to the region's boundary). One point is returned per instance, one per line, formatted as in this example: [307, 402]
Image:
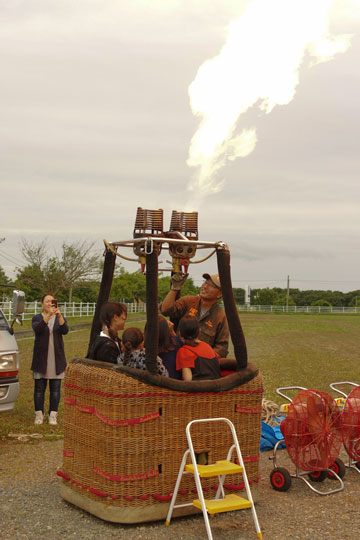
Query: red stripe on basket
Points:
[250, 410]
[127, 477]
[239, 487]
[68, 453]
[162, 498]
[85, 408]
[251, 459]
[160, 394]
[156, 496]
[97, 492]
[63, 475]
[248, 459]
[129, 422]
[111, 421]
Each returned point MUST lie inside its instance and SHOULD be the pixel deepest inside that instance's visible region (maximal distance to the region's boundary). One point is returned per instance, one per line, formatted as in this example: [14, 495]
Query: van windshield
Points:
[3, 321]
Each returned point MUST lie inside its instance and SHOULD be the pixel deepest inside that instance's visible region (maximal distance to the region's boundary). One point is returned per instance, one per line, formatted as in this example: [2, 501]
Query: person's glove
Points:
[177, 280]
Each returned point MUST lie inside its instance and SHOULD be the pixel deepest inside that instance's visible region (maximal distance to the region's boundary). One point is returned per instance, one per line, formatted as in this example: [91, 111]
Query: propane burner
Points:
[181, 240]
[186, 223]
[147, 223]
[183, 225]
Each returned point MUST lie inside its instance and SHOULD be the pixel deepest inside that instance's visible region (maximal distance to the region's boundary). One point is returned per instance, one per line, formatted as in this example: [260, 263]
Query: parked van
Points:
[9, 354]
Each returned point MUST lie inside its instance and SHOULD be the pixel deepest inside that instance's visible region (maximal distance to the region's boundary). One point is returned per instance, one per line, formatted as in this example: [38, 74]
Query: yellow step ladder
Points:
[222, 502]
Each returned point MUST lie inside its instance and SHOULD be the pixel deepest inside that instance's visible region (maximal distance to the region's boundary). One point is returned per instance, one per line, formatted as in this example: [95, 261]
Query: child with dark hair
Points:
[196, 359]
[133, 354]
[168, 346]
[107, 346]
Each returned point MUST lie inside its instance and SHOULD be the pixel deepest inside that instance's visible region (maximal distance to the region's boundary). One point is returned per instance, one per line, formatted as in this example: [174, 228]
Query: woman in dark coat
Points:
[107, 346]
[48, 363]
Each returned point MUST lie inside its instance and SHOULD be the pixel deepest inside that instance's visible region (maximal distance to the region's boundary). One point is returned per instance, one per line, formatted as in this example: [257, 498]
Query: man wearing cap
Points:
[214, 328]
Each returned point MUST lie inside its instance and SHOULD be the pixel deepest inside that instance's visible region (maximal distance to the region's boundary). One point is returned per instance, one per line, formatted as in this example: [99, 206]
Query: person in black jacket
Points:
[48, 363]
[107, 346]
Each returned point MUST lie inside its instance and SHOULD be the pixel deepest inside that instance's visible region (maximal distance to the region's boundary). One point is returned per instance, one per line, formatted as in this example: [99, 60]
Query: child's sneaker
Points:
[39, 417]
[53, 418]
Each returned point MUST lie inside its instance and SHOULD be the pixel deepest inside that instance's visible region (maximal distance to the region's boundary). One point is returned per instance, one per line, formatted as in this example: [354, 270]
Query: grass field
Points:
[290, 349]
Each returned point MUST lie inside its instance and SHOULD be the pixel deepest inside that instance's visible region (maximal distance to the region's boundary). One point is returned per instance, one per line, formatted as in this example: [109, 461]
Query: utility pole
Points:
[287, 293]
[247, 296]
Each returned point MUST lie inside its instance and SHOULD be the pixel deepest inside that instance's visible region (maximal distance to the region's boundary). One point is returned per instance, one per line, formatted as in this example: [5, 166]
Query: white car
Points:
[9, 356]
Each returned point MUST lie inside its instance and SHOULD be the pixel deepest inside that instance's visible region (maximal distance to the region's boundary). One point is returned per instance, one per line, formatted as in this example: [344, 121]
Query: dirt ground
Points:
[31, 506]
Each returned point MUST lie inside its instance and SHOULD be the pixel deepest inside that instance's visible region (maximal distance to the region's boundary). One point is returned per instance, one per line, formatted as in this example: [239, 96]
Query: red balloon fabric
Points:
[312, 430]
[350, 420]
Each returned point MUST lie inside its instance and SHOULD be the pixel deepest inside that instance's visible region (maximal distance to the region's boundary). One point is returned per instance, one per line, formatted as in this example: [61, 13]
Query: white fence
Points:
[68, 309]
[300, 309]
[87, 309]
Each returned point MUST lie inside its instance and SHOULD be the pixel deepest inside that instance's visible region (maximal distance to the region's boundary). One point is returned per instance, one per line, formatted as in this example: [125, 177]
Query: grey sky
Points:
[95, 121]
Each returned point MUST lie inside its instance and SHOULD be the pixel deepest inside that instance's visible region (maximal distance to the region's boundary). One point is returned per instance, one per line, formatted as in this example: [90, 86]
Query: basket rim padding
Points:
[216, 385]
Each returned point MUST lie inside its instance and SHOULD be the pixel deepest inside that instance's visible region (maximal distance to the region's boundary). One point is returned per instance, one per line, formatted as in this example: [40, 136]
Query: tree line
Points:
[277, 296]
[74, 274]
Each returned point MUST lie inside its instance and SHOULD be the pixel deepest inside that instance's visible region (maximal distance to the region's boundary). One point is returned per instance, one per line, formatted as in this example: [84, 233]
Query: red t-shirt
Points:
[186, 355]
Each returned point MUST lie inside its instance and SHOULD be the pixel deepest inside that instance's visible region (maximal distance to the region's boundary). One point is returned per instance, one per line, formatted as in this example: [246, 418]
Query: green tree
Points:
[263, 297]
[4, 280]
[57, 274]
[321, 302]
[354, 300]
[281, 300]
[29, 279]
[132, 286]
[188, 289]
[128, 286]
[239, 295]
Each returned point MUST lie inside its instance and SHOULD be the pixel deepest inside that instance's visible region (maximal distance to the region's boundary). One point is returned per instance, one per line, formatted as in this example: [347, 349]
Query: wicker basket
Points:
[124, 440]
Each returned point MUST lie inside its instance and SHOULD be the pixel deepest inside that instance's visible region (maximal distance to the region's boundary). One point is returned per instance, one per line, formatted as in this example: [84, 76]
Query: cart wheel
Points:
[338, 467]
[280, 479]
[317, 476]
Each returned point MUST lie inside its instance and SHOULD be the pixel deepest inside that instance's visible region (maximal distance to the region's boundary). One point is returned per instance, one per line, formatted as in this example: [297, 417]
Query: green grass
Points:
[308, 350]
[26, 325]
[303, 350]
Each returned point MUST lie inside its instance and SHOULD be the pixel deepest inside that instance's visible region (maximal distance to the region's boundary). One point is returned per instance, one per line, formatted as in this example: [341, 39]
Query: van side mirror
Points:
[18, 306]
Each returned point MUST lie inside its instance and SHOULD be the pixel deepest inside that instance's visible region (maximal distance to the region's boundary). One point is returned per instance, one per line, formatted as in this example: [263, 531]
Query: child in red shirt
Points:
[196, 359]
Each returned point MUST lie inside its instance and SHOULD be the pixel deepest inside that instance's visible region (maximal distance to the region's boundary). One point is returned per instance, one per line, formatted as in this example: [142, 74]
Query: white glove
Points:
[177, 280]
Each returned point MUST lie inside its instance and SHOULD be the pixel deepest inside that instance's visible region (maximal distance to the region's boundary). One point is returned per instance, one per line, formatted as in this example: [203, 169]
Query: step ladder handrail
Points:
[221, 478]
[238, 451]
[221, 482]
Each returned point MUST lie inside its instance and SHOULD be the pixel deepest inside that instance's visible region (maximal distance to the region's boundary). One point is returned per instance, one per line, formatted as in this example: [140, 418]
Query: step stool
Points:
[222, 502]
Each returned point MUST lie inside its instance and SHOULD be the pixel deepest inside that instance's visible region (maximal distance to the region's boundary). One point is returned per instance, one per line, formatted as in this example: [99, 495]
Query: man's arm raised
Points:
[177, 280]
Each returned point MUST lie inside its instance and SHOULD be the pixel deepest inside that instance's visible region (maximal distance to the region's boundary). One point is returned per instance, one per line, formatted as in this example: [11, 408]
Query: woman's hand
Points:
[49, 311]
[58, 313]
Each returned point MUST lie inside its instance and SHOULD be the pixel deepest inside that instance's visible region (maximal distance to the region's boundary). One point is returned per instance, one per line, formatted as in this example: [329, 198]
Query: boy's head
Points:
[189, 327]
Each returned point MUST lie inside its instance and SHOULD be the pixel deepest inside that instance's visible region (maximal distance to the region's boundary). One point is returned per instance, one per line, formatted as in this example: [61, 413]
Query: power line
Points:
[10, 258]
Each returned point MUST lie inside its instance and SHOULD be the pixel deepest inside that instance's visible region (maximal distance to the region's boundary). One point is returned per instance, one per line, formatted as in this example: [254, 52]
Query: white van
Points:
[9, 355]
